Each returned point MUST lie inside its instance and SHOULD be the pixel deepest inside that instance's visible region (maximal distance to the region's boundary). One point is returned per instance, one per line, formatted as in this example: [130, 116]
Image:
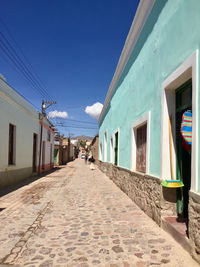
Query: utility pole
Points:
[41, 128]
[44, 107]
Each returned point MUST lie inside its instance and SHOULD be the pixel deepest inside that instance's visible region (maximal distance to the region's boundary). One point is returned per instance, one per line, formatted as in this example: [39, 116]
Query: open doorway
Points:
[183, 149]
[179, 94]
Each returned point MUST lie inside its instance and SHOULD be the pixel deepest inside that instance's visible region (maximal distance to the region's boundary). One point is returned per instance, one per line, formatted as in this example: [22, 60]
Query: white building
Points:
[46, 146]
[20, 129]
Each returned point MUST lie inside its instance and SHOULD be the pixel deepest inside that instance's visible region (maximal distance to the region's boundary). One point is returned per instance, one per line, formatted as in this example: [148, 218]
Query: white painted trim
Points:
[105, 147]
[142, 13]
[111, 149]
[145, 119]
[188, 69]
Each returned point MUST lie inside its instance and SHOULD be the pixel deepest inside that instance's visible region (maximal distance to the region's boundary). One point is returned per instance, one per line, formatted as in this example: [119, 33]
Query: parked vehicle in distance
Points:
[83, 156]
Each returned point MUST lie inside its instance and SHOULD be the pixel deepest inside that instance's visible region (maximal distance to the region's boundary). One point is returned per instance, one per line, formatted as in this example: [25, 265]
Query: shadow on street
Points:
[8, 189]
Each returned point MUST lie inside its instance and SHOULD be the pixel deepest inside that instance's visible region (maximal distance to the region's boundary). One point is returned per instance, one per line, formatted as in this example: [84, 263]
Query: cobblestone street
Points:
[78, 217]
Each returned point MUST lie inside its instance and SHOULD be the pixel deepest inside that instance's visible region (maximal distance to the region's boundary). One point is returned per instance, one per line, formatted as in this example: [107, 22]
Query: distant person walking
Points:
[92, 160]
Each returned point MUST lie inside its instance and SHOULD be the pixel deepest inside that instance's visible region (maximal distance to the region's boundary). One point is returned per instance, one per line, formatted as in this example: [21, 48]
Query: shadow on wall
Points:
[169, 194]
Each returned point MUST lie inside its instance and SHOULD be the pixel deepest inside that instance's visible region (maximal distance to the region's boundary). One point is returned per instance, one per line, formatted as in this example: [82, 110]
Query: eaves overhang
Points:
[142, 13]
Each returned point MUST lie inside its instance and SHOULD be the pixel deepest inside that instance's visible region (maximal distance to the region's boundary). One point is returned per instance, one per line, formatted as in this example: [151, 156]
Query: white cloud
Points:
[94, 110]
[57, 114]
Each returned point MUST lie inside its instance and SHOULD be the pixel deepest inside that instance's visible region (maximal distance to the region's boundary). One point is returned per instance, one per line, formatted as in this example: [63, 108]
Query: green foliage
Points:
[83, 144]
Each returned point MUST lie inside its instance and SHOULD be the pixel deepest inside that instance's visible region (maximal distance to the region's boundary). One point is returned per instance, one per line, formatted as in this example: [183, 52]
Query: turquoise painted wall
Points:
[170, 35]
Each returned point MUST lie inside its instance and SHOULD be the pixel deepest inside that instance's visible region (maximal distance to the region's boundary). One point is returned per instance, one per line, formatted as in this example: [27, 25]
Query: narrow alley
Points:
[78, 217]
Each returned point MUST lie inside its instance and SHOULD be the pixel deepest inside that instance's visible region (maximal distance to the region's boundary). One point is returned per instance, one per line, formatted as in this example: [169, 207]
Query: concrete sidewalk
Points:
[78, 217]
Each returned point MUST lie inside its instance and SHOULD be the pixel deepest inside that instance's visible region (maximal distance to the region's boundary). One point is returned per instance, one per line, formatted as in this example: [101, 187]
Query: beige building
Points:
[63, 151]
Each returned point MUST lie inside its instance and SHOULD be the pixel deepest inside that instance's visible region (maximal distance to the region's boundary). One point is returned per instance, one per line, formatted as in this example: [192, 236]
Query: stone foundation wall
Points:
[145, 190]
[156, 201]
[194, 223]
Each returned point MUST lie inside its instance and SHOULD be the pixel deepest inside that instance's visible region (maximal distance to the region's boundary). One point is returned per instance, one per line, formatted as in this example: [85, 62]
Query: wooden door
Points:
[34, 152]
[141, 139]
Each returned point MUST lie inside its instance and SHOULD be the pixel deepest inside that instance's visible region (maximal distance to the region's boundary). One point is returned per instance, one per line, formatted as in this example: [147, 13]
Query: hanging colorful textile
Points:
[186, 126]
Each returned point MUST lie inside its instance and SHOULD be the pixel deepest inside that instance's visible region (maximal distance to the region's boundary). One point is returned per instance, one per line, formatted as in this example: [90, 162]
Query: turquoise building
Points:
[140, 142]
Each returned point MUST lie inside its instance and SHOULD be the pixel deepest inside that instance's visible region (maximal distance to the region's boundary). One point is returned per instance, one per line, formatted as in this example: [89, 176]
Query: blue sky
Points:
[73, 47]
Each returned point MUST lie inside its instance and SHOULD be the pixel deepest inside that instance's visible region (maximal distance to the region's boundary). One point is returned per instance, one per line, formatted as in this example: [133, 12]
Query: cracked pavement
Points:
[79, 217]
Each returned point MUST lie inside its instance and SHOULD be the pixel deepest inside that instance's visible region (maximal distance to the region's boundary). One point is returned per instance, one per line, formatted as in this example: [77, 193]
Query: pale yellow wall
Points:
[15, 110]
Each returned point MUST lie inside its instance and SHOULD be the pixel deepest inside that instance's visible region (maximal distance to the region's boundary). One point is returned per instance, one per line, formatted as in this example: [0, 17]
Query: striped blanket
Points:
[186, 126]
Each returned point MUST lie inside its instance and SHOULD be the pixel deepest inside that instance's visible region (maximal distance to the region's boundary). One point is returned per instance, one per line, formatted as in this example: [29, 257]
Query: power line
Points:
[17, 67]
[87, 122]
[28, 73]
[36, 107]
[21, 51]
[33, 73]
[20, 65]
[76, 126]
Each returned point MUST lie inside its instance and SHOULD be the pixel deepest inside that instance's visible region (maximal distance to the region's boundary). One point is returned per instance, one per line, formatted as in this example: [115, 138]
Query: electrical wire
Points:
[77, 127]
[29, 74]
[19, 64]
[36, 107]
[87, 122]
[21, 51]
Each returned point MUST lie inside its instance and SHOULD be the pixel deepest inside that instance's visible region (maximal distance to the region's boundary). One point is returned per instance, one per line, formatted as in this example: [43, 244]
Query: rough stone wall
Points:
[157, 202]
[143, 189]
[168, 202]
[95, 150]
[194, 223]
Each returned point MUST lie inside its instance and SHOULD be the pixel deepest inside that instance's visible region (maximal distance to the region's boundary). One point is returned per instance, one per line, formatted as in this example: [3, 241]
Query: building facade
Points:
[155, 82]
[46, 149]
[57, 150]
[20, 133]
[68, 150]
[63, 151]
[94, 148]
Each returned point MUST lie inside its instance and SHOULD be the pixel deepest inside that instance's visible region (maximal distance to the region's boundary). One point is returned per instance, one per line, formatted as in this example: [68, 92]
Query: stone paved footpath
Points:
[78, 217]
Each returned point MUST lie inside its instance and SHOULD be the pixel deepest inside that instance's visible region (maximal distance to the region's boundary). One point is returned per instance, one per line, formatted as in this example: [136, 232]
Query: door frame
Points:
[187, 70]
